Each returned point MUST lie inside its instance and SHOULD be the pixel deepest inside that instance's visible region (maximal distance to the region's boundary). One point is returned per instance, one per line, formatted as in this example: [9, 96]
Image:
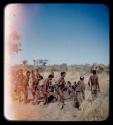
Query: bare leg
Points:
[45, 98]
[33, 94]
[25, 95]
[61, 95]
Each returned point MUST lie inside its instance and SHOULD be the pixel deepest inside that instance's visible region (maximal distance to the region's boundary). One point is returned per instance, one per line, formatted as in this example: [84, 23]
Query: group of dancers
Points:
[48, 92]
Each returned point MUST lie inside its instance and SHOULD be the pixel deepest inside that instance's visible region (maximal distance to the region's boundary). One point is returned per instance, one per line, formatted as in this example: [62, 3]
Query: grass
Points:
[96, 111]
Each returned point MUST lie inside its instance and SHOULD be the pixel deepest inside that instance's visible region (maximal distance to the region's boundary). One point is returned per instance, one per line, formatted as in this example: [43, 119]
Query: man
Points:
[94, 85]
[46, 88]
[61, 85]
[79, 93]
[25, 86]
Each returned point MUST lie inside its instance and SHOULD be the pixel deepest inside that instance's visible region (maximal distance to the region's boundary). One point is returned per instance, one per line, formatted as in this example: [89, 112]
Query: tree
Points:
[34, 61]
[25, 62]
[40, 61]
[44, 62]
[37, 62]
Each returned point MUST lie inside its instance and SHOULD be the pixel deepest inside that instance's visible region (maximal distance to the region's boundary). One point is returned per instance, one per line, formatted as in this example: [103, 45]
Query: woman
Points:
[25, 86]
[19, 84]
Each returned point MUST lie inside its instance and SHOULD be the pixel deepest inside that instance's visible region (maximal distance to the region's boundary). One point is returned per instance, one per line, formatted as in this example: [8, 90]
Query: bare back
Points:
[94, 81]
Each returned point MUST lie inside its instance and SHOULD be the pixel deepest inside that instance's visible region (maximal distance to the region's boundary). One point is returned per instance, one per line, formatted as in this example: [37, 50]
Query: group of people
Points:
[48, 92]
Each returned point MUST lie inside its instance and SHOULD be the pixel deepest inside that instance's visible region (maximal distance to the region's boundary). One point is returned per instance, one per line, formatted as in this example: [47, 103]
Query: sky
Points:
[65, 33]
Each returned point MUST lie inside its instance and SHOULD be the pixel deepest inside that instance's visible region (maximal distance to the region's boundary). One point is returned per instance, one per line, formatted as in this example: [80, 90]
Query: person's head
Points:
[63, 74]
[40, 77]
[74, 82]
[69, 82]
[28, 73]
[52, 72]
[50, 77]
[94, 72]
[81, 78]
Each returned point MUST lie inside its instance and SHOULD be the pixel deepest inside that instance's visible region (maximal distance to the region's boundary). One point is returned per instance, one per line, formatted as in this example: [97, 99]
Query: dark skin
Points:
[20, 80]
[93, 81]
[69, 86]
[94, 85]
[37, 73]
[33, 85]
[61, 81]
[26, 84]
[37, 87]
[46, 89]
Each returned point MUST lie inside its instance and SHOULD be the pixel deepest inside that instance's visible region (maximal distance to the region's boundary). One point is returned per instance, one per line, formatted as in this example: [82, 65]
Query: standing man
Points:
[19, 84]
[94, 84]
[61, 85]
[25, 86]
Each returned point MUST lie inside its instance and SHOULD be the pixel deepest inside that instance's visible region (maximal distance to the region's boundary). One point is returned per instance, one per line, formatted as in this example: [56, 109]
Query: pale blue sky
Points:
[66, 33]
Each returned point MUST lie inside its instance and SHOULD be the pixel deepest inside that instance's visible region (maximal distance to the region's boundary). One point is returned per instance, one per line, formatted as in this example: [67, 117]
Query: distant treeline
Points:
[64, 67]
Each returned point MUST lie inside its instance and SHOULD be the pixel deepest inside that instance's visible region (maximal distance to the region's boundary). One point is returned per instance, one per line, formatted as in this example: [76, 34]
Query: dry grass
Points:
[96, 111]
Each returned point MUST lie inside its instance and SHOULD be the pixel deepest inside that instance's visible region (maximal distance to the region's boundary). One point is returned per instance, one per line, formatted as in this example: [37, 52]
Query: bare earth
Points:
[96, 111]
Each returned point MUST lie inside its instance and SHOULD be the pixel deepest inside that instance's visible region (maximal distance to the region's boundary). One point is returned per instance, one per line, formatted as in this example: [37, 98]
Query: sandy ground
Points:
[98, 110]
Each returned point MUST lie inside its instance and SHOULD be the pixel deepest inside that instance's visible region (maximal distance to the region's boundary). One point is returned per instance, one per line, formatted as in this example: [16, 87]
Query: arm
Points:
[89, 81]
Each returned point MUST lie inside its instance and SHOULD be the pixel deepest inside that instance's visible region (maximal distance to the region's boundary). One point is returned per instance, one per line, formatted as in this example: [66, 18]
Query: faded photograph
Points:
[56, 62]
